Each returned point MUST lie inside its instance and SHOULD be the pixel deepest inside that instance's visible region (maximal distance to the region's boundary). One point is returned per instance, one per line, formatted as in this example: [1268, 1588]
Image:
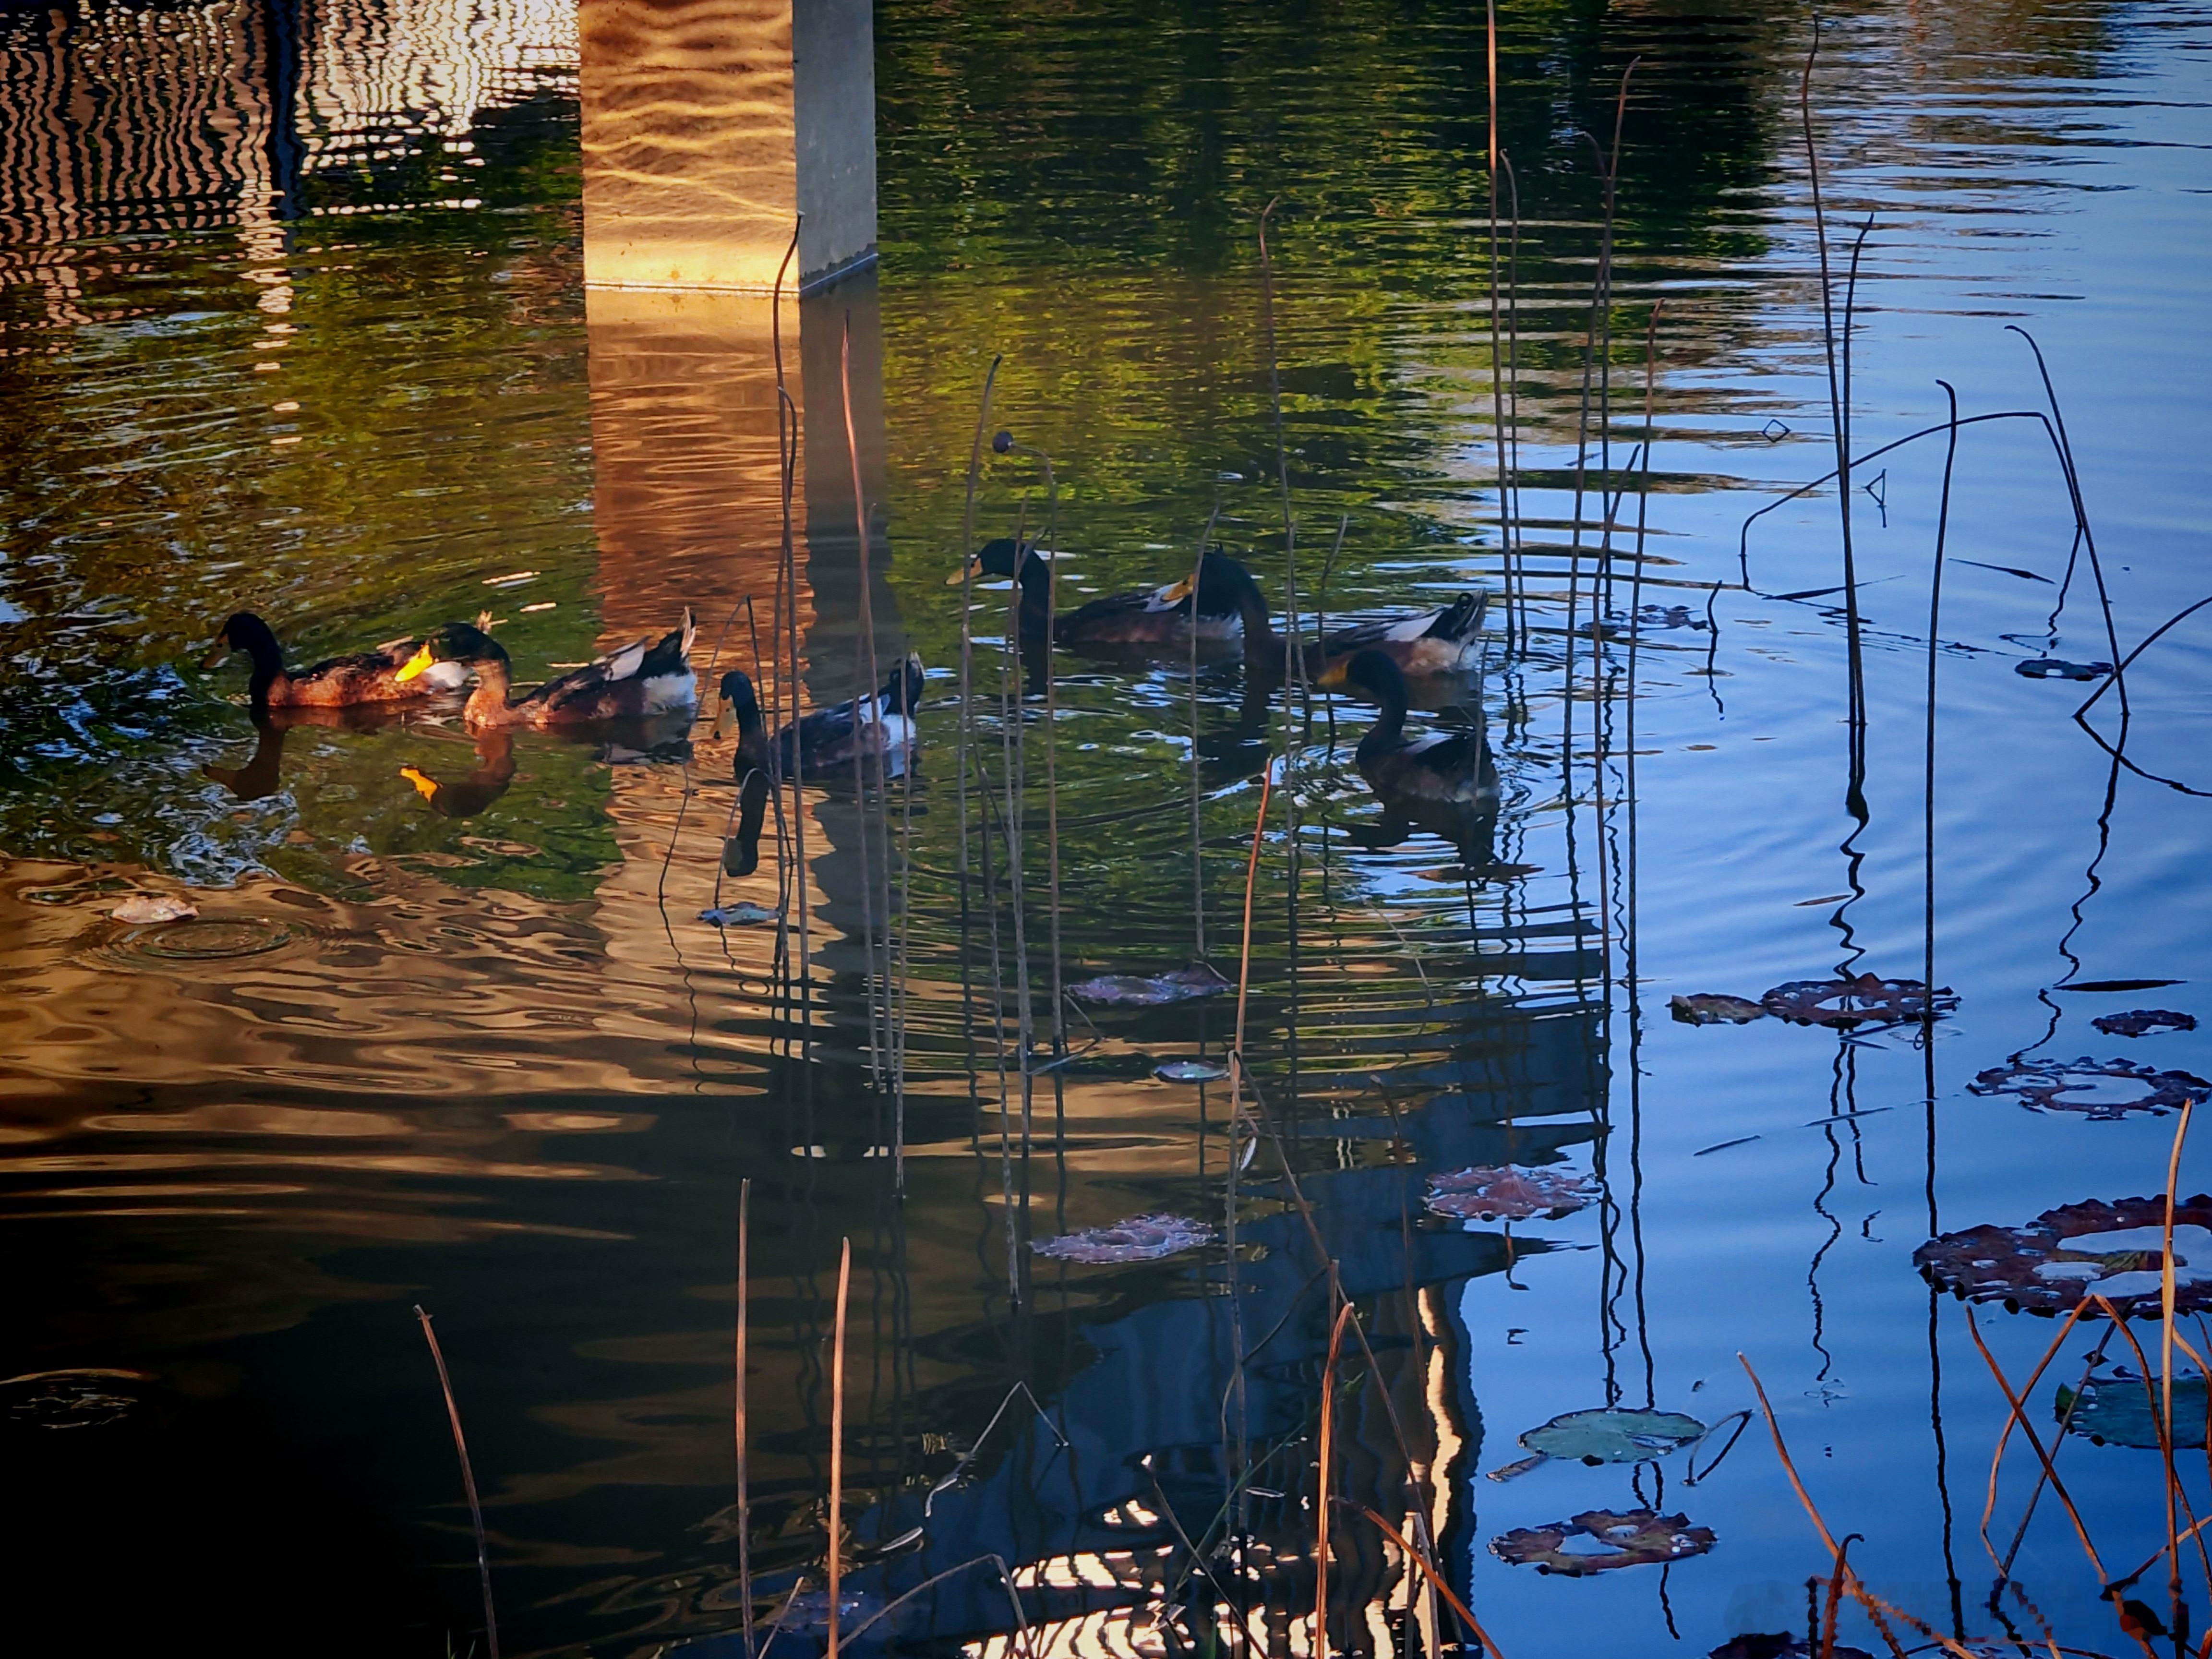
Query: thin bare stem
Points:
[837, 1437]
[744, 1321]
[1328, 1464]
[468, 1482]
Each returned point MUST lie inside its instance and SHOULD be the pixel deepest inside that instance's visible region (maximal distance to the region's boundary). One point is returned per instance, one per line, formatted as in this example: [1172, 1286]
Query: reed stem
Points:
[468, 1482]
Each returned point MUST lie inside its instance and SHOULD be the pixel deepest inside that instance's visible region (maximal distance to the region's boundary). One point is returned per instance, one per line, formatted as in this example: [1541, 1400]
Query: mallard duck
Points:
[1444, 782]
[1445, 640]
[1228, 603]
[394, 672]
[822, 744]
[741, 717]
[639, 680]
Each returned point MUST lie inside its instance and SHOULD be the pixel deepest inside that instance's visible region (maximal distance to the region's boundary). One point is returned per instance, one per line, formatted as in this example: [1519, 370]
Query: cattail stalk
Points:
[468, 1482]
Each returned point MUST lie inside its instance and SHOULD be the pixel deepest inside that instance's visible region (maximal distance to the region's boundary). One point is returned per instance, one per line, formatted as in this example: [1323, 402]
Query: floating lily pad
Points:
[2065, 1256]
[1140, 1238]
[1613, 1436]
[1138, 991]
[1713, 1008]
[745, 913]
[1599, 1540]
[1849, 1002]
[79, 1399]
[2116, 1409]
[1190, 1071]
[2142, 1022]
[2105, 1090]
[144, 909]
[1779, 1645]
[1508, 1193]
[2057, 668]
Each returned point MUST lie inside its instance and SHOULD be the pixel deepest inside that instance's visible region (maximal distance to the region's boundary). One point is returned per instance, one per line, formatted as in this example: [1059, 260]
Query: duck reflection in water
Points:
[1445, 782]
[486, 781]
[261, 776]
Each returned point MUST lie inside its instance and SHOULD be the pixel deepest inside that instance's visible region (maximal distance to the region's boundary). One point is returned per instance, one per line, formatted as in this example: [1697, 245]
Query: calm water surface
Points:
[293, 320]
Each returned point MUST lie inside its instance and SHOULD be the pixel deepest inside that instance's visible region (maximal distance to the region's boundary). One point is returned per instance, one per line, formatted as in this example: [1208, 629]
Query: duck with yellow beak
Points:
[398, 671]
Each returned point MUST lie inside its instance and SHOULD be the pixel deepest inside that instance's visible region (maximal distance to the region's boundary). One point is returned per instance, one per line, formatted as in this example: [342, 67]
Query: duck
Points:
[1445, 640]
[824, 743]
[1229, 602]
[1443, 781]
[640, 680]
[741, 717]
[396, 671]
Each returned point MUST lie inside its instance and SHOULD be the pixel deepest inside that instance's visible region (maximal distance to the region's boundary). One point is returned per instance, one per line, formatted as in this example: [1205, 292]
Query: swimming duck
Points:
[393, 673]
[639, 680]
[1228, 602]
[1445, 640]
[823, 743]
[1444, 782]
[740, 715]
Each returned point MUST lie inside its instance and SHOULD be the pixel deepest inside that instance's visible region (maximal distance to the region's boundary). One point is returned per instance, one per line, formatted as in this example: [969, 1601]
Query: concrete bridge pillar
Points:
[709, 124]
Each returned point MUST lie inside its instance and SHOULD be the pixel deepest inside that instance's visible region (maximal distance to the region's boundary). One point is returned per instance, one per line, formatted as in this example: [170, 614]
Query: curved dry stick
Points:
[2004, 1435]
[1429, 1573]
[2120, 667]
[2159, 1414]
[1021, 1615]
[837, 1437]
[744, 1313]
[1321, 1509]
[468, 1480]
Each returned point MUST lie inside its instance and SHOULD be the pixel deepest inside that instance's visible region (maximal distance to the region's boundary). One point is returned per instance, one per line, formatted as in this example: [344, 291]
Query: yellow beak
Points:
[726, 722]
[1178, 592]
[1332, 674]
[415, 665]
[973, 567]
[425, 788]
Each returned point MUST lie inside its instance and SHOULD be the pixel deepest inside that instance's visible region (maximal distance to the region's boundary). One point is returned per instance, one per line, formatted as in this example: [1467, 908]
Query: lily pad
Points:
[1779, 1645]
[1508, 1193]
[1598, 1541]
[1157, 990]
[1613, 1436]
[85, 1398]
[2057, 668]
[141, 909]
[1190, 1071]
[2116, 1409]
[745, 913]
[2142, 1022]
[1140, 1238]
[1713, 1008]
[2064, 1257]
[1848, 1002]
[2103, 1089]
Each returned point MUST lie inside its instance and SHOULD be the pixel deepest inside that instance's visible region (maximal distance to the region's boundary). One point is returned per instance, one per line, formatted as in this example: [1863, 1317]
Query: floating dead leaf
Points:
[1599, 1540]
[145, 909]
[1190, 1071]
[2103, 1089]
[1713, 1008]
[1779, 1645]
[1508, 1193]
[1139, 991]
[2057, 668]
[2117, 1410]
[745, 913]
[2119, 984]
[76, 1398]
[2114, 1249]
[1140, 1238]
[1613, 1436]
[1868, 999]
[2142, 1022]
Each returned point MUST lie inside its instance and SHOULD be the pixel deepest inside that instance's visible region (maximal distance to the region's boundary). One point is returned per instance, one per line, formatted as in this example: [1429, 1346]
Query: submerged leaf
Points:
[1715, 1008]
[2142, 1022]
[1137, 991]
[1613, 1436]
[1140, 1238]
[1598, 1541]
[2117, 1410]
[1849, 1002]
[142, 908]
[2105, 1090]
[1508, 1193]
[745, 913]
[1190, 1071]
[2067, 1256]
[2057, 668]
[84, 1398]
[1779, 1645]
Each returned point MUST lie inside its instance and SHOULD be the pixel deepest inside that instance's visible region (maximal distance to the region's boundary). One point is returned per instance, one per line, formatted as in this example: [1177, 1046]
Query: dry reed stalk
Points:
[1327, 1454]
[1293, 666]
[1436, 1579]
[837, 1437]
[2158, 1411]
[2018, 1404]
[1835, 1595]
[2166, 1288]
[1497, 389]
[1197, 838]
[871, 688]
[1518, 617]
[468, 1482]
[744, 1321]
[1005, 1574]
[2004, 1435]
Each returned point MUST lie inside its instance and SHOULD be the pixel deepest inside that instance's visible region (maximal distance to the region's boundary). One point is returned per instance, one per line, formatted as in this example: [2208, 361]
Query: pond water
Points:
[292, 320]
